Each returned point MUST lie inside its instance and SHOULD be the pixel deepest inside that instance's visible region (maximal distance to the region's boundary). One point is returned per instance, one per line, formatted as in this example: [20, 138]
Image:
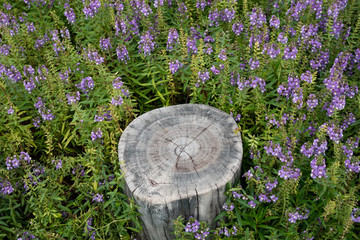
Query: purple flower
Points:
[204, 76]
[222, 55]
[105, 44]
[264, 198]
[290, 52]
[214, 70]
[315, 44]
[86, 85]
[306, 77]
[30, 27]
[282, 38]
[237, 28]
[208, 48]
[117, 83]
[355, 215]
[191, 45]
[227, 15]
[308, 31]
[334, 132]
[29, 85]
[65, 76]
[92, 8]
[117, 101]
[173, 39]
[254, 63]
[318, 168]
[147, 43]
[295, 216]
[273, 198]
[5, 49]
[98, 198]
[69, 13]
[12, 163]
[73, 97]
[174, 66]
[348, 120]
[202, 4]
[248, 175]
[208, 39]
[258, 82]
[93, 56]
[158, 3]
[214, 17]
[227, 207]
[122, 54]
[252, 204]
[257, 17]
[320, 61]
[274, 22]
[236, 195]
[5, 187]
[58, 164]
[36, 122]
[10, 111]
[273, 50]
[88, 229]
[288, 173]
[96, 135]
[270, 186]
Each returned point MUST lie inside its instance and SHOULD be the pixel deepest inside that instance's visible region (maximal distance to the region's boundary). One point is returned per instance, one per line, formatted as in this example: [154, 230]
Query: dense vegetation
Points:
[74, 74]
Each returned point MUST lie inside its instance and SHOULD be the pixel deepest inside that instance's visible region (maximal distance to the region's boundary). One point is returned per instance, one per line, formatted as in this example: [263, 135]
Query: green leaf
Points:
[133, 229]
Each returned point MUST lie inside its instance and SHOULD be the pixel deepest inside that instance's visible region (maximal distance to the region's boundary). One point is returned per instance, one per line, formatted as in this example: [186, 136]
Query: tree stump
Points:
[177, 161]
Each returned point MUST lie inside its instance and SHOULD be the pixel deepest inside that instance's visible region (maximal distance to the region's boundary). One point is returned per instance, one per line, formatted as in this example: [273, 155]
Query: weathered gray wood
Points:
[177, 161]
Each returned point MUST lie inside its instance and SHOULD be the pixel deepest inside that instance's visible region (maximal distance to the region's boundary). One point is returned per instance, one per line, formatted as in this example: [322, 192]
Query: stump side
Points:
[177, 161]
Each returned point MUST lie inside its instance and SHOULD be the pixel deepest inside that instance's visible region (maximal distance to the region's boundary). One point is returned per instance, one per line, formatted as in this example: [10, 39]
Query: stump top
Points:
[178, 152]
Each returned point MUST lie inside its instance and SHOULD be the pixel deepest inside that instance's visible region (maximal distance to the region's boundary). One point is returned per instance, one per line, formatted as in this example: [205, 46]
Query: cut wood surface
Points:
[176, 161]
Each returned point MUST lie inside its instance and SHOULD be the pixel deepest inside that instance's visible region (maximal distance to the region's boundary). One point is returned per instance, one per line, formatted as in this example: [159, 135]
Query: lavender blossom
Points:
[222, 55]
[355, 215]
[237, 28]
[91, 9]
[122, 53]
[73, 97]
[117, 83]
[5, 50]
[174, 66]
[306, 77]
[290, 52]
[69, 13]
[274, 22]
[204, 76]
[5, 187]
[146, 43]
[93, 56]
[191, 45]
[227, 207]
[254, 63]
[10, 111]
[252, 204]
[96, 135]
[86, 85]
[257, 17]
[98, 198]
[173, 39]
[58, 164]
[105, 44]
[282, 38]
[117, 100]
